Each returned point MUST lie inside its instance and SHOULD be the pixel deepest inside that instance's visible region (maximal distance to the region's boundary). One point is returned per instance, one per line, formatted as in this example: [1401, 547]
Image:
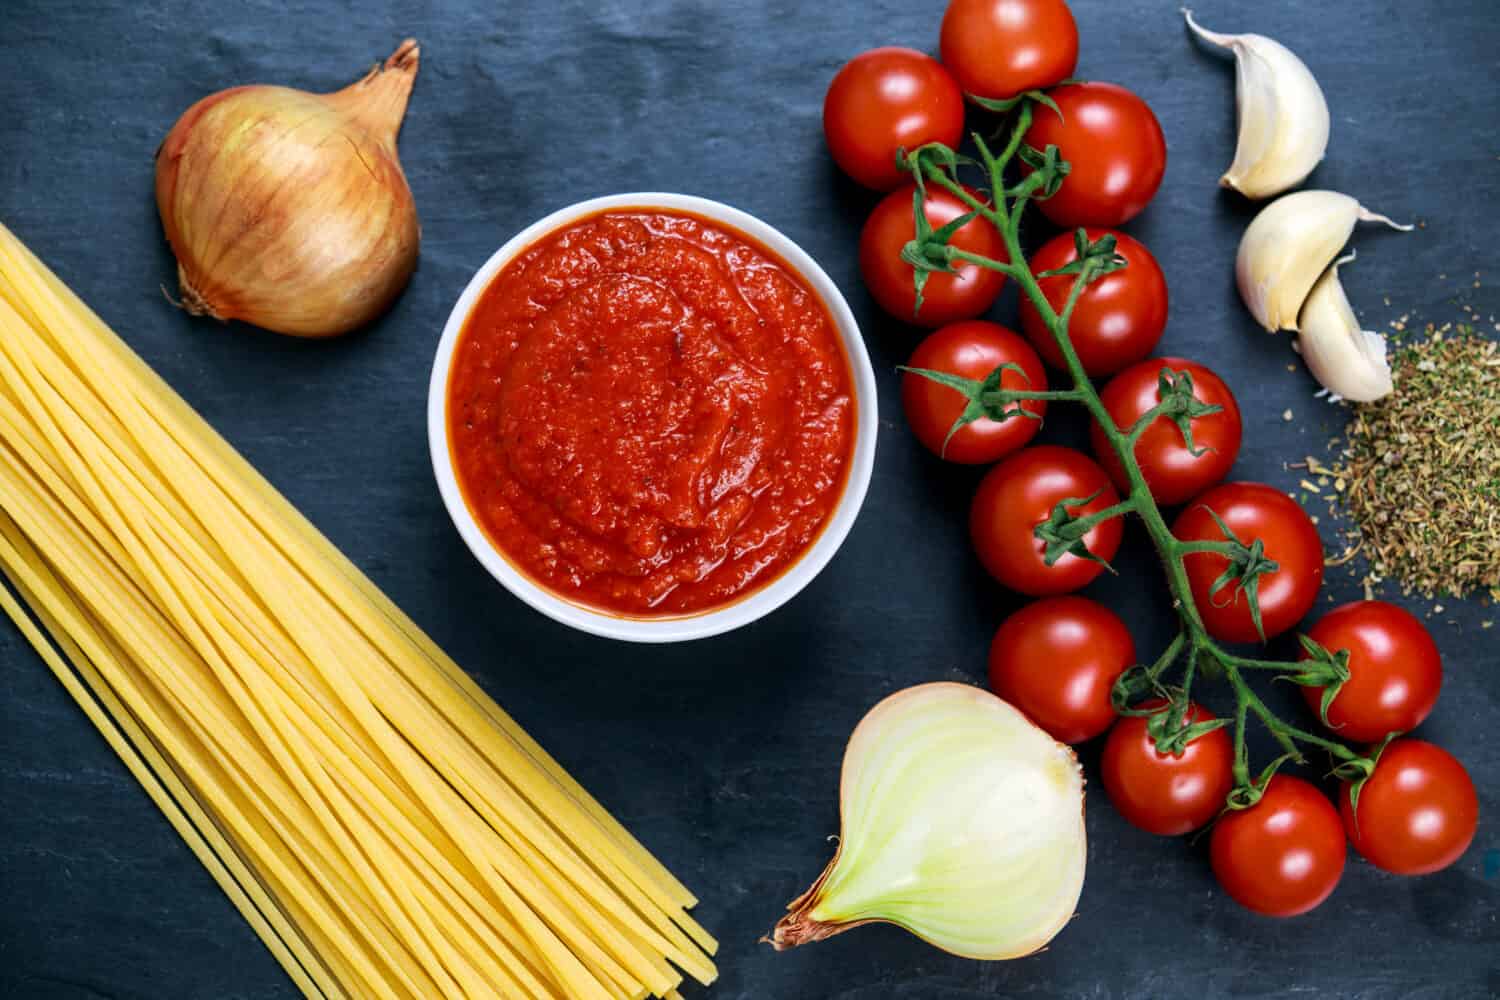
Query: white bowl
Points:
[747, 609]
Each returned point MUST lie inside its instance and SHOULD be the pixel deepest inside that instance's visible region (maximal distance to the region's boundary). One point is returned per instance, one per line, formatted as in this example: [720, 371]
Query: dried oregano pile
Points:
[1420, 470]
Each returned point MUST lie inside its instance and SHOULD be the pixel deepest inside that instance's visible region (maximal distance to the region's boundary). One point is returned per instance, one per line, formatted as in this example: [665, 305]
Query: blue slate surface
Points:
[723, 755]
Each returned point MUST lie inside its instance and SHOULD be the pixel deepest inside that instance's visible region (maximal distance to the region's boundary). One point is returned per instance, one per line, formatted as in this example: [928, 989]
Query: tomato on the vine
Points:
[1115, 150]
[1395, 670]
[998, 49]
[1057, 660]
[1252, 511]
[946, 298]
[886, 100]
[1019, 494]
[1418, 811]
[1119, 317]
[1174, 473]
[1285, 854]
[973, 350]
[1161, 793]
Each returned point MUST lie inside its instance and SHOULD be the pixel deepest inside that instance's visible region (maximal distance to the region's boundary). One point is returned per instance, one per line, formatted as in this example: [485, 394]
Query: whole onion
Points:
[289, 210]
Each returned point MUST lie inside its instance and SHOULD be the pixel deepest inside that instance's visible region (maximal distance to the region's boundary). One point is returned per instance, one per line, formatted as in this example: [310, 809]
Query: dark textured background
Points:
[723, 755]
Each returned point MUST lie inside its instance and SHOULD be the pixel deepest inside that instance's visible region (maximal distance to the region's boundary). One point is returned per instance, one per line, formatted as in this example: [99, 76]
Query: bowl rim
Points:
[744, 610]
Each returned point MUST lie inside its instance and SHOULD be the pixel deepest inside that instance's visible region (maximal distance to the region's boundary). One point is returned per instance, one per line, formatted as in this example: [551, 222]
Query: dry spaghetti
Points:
[384, 826]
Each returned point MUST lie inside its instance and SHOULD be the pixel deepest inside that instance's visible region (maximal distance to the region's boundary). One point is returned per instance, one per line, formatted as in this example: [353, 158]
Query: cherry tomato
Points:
[1418, 812]
[972, 349]
[1000, 48]
[1118, 318]
[1251, 511]
[1057, 660]
[1395, 670]
[885, 100]
[1116, 150]
[1285, 854]
[1174, 473]
[947, 298]
[1017, 495]
[1158, 792]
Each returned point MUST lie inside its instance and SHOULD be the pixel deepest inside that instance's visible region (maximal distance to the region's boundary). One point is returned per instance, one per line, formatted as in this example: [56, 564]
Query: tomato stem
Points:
[1085, 523]
[1192, 645]
[956, 253]
[1016, 395]
[1168, 656]
[1247, 663]
[1241, 753]
[1181, 548]
[937, 175]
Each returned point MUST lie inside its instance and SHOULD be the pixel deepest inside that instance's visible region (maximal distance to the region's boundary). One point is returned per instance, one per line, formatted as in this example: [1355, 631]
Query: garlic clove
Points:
[1283, 115]
[1347, 361]
[1289, 245]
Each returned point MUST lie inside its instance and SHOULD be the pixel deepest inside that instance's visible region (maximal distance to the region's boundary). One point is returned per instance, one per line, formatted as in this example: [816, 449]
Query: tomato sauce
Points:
[650, 413]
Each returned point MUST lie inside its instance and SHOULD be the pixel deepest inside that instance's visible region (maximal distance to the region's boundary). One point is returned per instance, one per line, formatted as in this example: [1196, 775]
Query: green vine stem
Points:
[1194, 651]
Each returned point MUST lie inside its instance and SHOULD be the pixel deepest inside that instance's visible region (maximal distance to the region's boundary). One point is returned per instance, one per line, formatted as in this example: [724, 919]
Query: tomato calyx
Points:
[1064, 534]
[1171, 732]
[986, 399]
[1247, 793]
[1096, 258]
[1139, 679]
[1008, 104]
[930, 251]
[1247, 564]
[940, 157]
[1178, 404]
[1324, 668]
[1049, 171]
[1135, 681]
[1357, 771]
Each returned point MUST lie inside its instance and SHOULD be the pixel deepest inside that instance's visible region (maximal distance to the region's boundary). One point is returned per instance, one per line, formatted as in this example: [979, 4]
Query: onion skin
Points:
[289, 210]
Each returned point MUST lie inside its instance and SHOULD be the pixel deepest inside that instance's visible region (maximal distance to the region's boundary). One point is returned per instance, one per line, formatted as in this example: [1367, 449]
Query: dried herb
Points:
[1420, 470]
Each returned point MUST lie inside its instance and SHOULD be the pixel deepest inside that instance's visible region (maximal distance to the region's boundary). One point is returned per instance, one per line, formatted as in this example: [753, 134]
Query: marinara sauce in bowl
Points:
[652, 417]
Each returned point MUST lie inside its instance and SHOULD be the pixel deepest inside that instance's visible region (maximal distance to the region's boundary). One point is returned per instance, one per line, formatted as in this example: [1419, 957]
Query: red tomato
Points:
[972, 349]
[1000, 48]
[1116, 150]
[1253, 510]
[1057, 660]
[1417, 813]
[885, 100]
[1017, 495]
[1285, 854]
[1118, 318]
[1158, 792]
[1174, 473]
[1395, 670]
[947, 298]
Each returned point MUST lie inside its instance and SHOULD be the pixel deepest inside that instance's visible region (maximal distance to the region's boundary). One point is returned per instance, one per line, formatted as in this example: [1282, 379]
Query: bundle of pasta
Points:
[387, 830]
